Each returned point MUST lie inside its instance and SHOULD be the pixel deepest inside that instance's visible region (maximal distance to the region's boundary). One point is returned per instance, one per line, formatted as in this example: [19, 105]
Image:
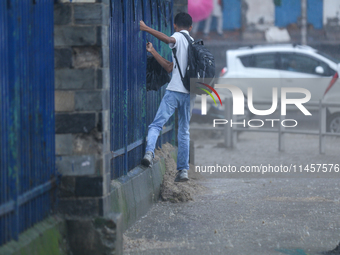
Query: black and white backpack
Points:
[201, 63]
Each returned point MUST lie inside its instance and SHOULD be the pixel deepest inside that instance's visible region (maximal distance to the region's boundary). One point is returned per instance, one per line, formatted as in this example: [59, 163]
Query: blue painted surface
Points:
[27, 115]
[132, 108]
[232, 14]
[287, 13]
[4, 102]
[232, 18]
[315, 13]
[290, 11]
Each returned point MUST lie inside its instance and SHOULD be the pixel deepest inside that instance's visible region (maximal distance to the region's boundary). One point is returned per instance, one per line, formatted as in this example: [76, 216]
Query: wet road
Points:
[245, 216]
[261, 215]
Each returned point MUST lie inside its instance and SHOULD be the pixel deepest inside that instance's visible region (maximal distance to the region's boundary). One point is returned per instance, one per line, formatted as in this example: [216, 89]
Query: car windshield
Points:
[329, 57]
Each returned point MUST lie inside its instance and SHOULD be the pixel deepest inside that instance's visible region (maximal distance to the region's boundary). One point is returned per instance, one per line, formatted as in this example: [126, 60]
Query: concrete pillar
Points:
[82, 105]
[303, 22]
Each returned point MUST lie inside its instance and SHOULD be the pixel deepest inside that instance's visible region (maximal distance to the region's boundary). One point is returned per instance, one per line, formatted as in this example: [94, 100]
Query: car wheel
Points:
[333, 123]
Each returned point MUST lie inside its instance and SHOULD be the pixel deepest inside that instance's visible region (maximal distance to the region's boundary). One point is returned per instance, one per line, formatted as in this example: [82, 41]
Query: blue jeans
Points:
[169, 103]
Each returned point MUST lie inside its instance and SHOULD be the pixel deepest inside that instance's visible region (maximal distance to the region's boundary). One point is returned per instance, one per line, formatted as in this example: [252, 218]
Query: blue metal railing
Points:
[132, 108]
[27, 168]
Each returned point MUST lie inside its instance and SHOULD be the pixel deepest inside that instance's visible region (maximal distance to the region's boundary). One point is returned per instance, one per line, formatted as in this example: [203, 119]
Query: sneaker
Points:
[182, 176]
[148, 159]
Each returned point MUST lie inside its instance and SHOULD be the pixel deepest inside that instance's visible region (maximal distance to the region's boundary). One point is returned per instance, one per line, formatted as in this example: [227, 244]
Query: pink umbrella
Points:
[200, 9]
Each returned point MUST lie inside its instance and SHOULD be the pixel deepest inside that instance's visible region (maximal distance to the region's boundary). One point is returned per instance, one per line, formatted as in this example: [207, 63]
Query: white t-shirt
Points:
[181, 45]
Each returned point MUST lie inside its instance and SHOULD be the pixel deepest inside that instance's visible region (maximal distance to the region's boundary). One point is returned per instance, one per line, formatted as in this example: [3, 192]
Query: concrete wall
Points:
[82, 104]
[331, 12]
[260, 13]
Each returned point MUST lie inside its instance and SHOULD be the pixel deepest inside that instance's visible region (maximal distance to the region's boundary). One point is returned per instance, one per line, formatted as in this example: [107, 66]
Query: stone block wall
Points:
[82, 104]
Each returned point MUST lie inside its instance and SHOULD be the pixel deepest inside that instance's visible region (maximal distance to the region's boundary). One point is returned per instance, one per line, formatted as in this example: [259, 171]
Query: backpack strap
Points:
[174, 50]
[200, 41]
[187, 37]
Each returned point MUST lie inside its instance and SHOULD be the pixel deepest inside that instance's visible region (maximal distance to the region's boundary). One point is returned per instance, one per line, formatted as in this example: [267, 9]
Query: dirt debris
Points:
[177, 191]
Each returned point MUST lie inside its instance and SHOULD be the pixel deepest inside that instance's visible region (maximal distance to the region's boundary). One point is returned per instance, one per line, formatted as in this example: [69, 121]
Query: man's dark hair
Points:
[183, 20]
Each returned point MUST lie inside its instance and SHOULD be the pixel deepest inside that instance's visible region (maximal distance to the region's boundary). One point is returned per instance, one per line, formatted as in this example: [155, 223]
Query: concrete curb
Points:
[133, 195]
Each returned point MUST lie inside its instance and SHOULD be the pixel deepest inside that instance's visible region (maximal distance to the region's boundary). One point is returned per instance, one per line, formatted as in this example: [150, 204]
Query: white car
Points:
[285, 66]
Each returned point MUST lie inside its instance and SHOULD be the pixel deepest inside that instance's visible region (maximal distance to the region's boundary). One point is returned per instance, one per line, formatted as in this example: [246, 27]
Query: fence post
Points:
[233, 132]
[322, 127]
[228, 134]
[281, 132]
[303, 22]
[126, 68]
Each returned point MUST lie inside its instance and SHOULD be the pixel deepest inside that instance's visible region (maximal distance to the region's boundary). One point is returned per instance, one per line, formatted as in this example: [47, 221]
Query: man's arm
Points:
[159, 35]
[167, 65]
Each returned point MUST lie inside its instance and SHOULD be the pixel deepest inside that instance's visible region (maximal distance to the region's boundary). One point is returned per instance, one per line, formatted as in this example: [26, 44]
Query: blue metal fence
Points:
[27, 168]
[132, 108]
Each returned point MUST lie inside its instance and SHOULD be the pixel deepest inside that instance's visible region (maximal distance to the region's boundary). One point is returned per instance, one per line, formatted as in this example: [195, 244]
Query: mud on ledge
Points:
[177, 191]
